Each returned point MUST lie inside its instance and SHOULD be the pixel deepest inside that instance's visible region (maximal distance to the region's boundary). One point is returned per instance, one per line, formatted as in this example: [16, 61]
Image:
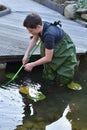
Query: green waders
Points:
[62, 66]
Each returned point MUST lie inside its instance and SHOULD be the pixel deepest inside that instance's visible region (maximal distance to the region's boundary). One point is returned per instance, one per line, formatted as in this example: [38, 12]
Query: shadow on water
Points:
[18, 112]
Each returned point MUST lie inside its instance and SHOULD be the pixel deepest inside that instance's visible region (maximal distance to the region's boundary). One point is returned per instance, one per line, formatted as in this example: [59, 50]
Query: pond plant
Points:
[81, 4]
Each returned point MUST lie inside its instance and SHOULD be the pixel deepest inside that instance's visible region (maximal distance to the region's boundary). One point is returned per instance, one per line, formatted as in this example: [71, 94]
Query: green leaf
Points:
[32, 93]
[10, 75]
[38, 97]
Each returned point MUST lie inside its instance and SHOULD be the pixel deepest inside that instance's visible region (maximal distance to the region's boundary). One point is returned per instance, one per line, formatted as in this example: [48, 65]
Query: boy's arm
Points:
[30, 47]
[47, 58]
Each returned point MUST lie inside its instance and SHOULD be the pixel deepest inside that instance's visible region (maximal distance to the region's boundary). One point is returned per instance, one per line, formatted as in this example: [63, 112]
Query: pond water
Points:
[17, 112]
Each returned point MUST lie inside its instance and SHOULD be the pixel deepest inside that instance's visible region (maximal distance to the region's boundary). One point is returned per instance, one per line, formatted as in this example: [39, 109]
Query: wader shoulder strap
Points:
[57, 23]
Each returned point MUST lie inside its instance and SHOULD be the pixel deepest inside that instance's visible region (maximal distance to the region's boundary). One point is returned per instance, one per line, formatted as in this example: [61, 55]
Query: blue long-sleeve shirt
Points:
[51, 34]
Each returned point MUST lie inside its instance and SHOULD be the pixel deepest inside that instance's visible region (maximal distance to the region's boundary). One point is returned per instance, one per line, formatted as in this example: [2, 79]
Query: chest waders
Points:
[62, 66]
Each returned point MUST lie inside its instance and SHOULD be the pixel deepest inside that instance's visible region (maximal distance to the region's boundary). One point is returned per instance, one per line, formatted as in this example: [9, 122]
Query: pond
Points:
[18, 112]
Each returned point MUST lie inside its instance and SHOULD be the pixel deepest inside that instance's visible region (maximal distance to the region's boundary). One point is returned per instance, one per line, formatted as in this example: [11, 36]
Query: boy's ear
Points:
[38, 26]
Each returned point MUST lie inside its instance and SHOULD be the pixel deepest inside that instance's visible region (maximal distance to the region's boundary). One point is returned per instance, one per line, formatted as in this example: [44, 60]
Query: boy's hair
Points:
[32, 20]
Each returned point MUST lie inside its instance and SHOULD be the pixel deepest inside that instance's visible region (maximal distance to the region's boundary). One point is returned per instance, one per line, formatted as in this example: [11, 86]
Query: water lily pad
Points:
[10, 75]
[74, 86]
[32, 93]
[24, 90]
[39, 96]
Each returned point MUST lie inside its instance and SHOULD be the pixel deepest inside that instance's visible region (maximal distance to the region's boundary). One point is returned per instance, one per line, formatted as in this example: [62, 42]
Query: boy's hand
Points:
[29, 66]
[25, 60]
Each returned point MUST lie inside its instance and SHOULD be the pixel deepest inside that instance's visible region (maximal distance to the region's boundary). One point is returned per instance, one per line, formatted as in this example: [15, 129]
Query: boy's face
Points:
[34, 31]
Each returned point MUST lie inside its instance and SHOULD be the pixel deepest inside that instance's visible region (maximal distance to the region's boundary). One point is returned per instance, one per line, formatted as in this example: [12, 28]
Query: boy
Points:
[58, 53]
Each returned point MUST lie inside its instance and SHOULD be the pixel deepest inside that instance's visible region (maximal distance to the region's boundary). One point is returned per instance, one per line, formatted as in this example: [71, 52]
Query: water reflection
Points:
[11, 108]
[57, 98]
[2, 75]
[18, 112]
[49, 110]
[61, 124]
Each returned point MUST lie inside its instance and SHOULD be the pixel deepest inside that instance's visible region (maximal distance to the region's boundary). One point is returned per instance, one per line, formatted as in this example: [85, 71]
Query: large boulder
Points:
[69, 11]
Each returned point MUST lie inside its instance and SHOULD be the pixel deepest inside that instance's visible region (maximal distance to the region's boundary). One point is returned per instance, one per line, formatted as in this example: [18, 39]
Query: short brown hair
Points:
[32, 20]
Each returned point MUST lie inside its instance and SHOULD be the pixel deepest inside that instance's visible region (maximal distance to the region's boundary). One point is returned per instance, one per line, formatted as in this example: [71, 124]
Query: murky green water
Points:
[17, 112]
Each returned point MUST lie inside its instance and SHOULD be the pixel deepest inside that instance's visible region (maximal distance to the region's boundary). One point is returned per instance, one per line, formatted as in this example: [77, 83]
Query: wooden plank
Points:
[14, 38]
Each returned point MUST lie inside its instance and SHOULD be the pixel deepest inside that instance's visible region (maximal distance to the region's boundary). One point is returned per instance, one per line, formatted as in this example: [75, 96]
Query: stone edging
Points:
[52, 5]
[5, 11]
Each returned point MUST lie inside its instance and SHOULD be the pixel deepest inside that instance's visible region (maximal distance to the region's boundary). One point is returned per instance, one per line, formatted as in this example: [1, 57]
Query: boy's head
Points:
[32, 20]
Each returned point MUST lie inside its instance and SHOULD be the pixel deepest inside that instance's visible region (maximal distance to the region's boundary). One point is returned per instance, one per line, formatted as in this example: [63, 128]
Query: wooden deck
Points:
[14, 38]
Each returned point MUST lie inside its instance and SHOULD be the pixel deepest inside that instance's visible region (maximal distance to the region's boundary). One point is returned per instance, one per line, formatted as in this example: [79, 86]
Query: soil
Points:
[2, 7]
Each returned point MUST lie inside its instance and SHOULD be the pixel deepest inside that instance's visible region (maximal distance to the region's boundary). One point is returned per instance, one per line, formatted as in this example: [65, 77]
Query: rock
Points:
[81, 10]
[70, 2]
[84, 16]
[3, 66]
[69, 11]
